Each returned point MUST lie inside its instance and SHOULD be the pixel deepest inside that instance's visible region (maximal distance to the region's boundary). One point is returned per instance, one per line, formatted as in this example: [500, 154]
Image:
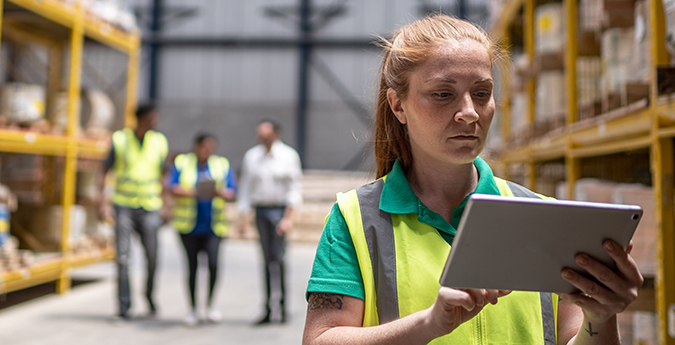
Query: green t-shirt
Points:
[336, 267]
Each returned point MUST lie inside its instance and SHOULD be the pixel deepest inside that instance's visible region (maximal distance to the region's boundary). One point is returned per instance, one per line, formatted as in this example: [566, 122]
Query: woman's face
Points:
[449, 105]
[205, 149]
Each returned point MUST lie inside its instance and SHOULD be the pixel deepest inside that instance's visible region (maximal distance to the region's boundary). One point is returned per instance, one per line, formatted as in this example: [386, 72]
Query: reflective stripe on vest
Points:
[138, 169]
[185, 208]
[379, 235]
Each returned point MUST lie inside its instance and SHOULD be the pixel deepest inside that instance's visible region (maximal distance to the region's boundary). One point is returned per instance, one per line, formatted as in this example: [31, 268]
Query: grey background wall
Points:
[223, 65]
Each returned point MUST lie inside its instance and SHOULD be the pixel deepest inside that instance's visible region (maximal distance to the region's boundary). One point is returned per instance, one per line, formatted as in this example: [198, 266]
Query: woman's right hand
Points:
[456, 306]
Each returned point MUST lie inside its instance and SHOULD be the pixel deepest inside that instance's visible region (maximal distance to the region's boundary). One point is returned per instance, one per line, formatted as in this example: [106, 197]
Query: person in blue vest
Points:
[137, 159]
[201, 182]
[375, 278]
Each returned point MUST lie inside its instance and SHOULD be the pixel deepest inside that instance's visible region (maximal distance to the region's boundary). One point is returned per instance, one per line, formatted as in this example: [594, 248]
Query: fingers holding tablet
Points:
[613, 291]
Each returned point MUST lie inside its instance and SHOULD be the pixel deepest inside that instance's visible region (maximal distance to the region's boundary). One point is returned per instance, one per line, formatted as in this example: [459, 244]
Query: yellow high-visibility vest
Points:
[401, 260]
[185, 208]
[138, 169]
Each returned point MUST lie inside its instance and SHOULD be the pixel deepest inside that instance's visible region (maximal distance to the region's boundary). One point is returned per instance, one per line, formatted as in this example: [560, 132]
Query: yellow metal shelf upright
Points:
[644, 125]
[58, 26]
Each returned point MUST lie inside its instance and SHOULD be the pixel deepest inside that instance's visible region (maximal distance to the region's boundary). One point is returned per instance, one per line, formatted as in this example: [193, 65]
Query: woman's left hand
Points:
[601, 303]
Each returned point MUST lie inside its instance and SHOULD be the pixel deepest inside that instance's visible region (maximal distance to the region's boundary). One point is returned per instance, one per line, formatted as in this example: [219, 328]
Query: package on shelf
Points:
[97, 114]
[591, 15]
[88, 189]
[22, 104]
[669, 9]
[644, 240]
[641, 51]
[46, 226]
[549, 29]
[617, 59]
[550, 100]
[8, 204]
[58, 114]
[25, 178]
[115, 12]
[519, 125]
[589, 72]
[588, 189]
[598, 15]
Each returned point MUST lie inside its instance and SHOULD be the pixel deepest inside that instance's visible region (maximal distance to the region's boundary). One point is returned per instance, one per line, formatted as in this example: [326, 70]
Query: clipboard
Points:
[515, 243]
[206, 188]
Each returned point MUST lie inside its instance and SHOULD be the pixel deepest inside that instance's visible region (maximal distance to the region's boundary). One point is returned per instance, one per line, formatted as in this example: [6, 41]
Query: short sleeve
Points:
[174, 176]
[336, 266]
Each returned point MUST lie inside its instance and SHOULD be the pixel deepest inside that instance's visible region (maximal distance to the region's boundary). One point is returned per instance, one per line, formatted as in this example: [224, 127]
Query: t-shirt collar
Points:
[399, 198]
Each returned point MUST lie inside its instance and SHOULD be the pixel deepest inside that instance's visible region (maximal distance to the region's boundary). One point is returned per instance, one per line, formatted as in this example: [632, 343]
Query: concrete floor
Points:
[84, 315]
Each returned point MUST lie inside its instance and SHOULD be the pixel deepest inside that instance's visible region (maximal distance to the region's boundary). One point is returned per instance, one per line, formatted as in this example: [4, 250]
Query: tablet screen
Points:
[513, 243]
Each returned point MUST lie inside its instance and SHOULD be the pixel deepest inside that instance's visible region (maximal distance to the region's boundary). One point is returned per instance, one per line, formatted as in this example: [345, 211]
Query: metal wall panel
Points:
[236, 76]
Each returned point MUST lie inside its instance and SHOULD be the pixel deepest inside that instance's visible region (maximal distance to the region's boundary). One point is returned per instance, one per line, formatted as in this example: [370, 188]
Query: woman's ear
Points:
[396, 106]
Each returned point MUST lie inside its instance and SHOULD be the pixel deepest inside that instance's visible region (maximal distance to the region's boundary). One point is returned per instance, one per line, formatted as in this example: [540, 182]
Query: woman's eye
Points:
[441, 95]
[483, 94]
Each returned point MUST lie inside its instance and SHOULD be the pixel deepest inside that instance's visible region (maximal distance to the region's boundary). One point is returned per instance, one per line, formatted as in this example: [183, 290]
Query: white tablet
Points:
[513, 243]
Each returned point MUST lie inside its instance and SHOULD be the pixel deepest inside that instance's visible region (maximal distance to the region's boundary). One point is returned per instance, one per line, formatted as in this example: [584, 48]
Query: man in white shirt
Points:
[270, 184]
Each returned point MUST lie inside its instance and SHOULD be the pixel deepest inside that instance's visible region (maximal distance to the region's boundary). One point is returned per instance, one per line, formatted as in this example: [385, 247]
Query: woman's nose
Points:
[467, 112]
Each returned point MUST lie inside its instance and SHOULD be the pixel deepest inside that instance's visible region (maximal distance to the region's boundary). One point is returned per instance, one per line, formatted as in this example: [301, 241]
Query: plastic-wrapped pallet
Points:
[669, 9]
[550, 96]
[98, 113]
[589, 72]
[617, 58]
[641, 51]
[58, 114]
[549, 28]
[518, 114]
[22, 103]
[590, 15]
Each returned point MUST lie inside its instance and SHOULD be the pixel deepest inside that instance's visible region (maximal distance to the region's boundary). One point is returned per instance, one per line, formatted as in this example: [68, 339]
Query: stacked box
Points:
[46, 225]
[550, 101]
[644, 240]
[669, 9]
[518, 114]
[617, 59]
[590, 15]
[589, 72]
[641, 50]
[22, 104]
[549, 28]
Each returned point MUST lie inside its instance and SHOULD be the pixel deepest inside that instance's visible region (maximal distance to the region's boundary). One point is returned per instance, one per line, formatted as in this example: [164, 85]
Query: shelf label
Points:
[29, 138]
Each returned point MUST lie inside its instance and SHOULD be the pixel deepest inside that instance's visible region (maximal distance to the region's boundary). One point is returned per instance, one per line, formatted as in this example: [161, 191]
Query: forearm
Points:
[180, 191]
[597, 333]
[288, 213]
[410, 330]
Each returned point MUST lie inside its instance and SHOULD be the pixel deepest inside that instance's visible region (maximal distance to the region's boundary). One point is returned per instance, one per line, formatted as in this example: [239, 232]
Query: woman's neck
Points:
[442, 187]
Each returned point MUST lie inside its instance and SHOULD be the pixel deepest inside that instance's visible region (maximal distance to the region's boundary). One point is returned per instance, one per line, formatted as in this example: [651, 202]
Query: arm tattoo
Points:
[320, 300]
[589, 330]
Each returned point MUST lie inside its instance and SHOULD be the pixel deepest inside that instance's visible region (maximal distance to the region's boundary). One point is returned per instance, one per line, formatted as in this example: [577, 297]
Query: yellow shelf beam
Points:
[50, 270]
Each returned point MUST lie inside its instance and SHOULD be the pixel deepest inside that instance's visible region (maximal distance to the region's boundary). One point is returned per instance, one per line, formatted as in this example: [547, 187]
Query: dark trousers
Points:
[274, 249]
[195, 244]
[145, 224]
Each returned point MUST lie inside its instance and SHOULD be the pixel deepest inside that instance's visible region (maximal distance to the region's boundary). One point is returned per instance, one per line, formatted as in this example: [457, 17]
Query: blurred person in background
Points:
[137, 159]
[201, 182]
[375, 278]
[270, 184]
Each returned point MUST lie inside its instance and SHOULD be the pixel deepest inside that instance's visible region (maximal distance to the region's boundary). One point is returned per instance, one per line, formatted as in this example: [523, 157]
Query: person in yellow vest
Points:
[375, 278]
[201, 182]
[137, 159]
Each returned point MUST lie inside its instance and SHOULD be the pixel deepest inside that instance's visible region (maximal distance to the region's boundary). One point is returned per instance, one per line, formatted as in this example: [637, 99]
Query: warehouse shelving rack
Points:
[63, 27]
[645, 125]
